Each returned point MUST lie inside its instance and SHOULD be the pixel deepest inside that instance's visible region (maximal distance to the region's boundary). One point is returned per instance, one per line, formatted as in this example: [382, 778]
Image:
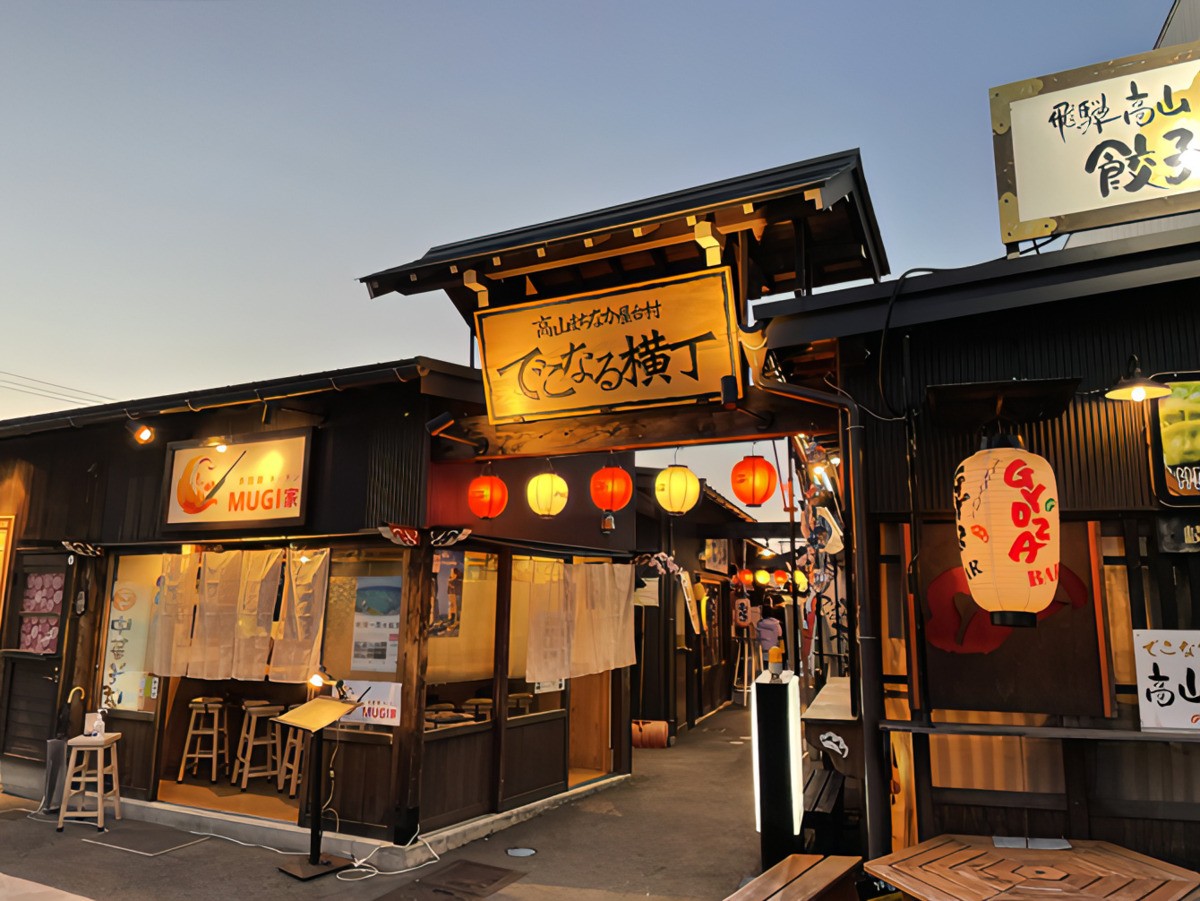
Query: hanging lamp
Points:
[487, 495]
[546, 493]
[754, 480]
[677, 489]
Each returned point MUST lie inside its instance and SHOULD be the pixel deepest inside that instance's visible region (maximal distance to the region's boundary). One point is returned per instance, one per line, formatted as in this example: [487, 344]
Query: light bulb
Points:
[1138, 394]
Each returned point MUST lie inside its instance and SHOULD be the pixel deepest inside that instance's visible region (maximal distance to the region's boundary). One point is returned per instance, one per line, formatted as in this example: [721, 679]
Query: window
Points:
[536, 582]
[462, 635]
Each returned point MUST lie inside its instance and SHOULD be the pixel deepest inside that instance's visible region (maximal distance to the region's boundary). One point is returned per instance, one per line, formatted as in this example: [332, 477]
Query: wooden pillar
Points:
[500, 674]
[408, 739]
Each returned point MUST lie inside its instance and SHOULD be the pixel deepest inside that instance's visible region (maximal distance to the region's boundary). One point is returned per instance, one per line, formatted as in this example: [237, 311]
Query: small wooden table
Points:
[972, 868]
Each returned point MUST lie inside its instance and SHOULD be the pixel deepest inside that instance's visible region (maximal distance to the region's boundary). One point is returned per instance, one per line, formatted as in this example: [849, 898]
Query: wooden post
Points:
[408, 739]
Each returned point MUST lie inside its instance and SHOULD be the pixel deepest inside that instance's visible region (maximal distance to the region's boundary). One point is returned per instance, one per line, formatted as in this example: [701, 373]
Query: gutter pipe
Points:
[876, 778]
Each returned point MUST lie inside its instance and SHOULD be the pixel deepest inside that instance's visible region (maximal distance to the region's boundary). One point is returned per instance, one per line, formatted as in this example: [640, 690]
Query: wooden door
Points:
[33, 650]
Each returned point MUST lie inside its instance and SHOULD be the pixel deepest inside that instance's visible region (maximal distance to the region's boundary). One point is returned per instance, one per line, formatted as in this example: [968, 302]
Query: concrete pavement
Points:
[681, 829]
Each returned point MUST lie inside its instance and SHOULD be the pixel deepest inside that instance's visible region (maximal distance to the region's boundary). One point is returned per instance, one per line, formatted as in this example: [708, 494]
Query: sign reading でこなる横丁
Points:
[246, 480]
[1099, 145]
[657, 343]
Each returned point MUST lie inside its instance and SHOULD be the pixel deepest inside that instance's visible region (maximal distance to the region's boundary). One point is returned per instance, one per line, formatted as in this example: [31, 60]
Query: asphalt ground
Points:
[681, 828]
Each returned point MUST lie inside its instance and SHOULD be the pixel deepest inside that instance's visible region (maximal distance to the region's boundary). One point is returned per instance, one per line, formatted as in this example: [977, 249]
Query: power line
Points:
[26, 390]
[26, 378]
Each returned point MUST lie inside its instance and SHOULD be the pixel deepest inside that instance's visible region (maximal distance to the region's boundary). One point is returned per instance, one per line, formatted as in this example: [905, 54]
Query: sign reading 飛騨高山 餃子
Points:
[657, 343]
[242, 481]
[1099, 145]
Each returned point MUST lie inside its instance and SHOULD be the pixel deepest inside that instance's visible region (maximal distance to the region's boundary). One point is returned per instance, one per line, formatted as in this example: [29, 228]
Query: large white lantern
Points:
[1006, 511]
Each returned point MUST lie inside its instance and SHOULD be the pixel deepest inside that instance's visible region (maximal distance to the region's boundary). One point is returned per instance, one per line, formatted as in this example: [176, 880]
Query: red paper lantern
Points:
[487, 496]
[753, 480]
[746, 577]
[781, 577]
[1008, 532]
[612, 488]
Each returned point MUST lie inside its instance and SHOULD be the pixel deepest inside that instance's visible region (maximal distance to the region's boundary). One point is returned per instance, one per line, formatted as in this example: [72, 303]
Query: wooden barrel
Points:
[650, 733]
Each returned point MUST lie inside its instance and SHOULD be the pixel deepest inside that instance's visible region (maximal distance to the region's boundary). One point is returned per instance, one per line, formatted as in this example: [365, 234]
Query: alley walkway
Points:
[681, 828]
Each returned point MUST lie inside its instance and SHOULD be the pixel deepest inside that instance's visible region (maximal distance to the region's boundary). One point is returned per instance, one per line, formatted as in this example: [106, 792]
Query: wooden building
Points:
[1020, 731]
[118, 552]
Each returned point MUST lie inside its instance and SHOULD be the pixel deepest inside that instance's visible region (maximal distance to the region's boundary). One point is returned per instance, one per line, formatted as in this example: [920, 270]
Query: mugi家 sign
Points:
[1100, 145]
[1168, 666]
[249, 480]
[664, 342]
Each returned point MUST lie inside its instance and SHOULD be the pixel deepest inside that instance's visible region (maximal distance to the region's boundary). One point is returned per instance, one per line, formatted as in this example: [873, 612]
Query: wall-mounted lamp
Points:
[731, 401]
[1135, 386]
[142, 432]
[438, 426]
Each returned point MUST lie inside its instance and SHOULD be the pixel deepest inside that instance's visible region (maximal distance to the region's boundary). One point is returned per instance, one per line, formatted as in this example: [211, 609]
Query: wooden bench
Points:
[804, 877]
[823, 808]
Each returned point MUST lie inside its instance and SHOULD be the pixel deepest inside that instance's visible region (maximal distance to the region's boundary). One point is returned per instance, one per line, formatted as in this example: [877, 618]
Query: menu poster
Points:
[376, 624]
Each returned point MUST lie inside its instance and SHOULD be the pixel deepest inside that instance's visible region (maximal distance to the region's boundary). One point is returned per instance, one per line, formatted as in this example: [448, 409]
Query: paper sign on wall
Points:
[1168, 666]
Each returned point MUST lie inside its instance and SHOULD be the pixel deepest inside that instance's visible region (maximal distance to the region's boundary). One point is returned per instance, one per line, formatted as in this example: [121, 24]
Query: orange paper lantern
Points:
[1006, 500]
[781, 577]
[612, 488]
[487, 496]
[746, 577]
[753, 480]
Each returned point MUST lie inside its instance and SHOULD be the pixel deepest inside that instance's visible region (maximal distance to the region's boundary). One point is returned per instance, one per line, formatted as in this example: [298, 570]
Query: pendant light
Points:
[546, 493]
[754, 480]
[487, 495]
[1135, 386]
[677, 489]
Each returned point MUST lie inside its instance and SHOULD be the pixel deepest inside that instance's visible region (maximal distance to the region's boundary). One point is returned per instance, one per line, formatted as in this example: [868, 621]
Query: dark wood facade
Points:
[1075, 315]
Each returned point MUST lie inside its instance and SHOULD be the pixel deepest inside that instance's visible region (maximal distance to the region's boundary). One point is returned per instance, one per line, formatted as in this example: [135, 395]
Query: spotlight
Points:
[141, 432]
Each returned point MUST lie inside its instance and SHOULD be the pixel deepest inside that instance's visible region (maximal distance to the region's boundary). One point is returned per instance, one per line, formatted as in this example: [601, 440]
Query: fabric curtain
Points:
[296, 651]
[261, 572]
[211, 654]
[580, 618]
[170, 639]
[548, 657]
[602, 635]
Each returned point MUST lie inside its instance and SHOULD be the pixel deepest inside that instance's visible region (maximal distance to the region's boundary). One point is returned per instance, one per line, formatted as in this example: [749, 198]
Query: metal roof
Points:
[997, 285]
[828, 194]
[256, 392]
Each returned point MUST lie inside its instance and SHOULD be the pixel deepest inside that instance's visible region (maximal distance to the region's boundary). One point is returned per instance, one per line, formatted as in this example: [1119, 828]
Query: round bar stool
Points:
[291, 757]
[521, 701]
[207, 736]
[479, 708]
[86, 765]
[257, 732]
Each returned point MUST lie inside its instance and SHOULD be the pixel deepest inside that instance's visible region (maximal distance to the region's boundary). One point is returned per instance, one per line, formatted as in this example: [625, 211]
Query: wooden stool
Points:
[480, 708]
[209, 720]
[87, 750]
[521, 701]
[295, 747]
[257, 712]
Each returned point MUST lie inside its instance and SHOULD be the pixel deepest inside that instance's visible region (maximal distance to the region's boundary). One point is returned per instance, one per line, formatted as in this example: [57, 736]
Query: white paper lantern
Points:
[1006, 503]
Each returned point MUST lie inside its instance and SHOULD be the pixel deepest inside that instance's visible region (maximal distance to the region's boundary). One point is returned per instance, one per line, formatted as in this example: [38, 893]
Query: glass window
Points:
[524, 698]
[462, 636]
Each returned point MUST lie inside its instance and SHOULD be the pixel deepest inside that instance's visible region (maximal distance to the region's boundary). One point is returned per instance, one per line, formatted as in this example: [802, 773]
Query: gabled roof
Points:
[824, 201]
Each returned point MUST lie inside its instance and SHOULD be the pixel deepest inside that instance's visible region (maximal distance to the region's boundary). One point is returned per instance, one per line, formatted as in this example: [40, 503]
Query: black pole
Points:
[316, 764]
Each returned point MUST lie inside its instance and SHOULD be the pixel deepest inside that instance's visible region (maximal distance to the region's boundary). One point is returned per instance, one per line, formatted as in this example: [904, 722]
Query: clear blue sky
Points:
[189, 188]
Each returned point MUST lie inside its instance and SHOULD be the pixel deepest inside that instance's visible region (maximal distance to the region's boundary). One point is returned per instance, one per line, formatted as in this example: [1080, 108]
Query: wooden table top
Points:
[972, 868]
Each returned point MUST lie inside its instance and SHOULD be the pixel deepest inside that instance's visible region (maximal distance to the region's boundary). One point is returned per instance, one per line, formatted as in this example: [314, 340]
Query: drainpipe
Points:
[876, 776]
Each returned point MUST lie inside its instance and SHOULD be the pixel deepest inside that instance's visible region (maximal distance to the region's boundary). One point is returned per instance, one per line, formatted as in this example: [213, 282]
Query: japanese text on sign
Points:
[662, 342]
[1099, 143]
[1168, 673]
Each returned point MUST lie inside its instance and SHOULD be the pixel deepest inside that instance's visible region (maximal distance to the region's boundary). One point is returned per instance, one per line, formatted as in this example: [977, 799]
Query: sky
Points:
[190, 189]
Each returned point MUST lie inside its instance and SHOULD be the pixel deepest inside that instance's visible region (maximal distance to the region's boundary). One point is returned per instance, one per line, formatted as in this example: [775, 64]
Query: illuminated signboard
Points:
[1176, 434]
[250, 480]
[1100, 145]
[657, 343]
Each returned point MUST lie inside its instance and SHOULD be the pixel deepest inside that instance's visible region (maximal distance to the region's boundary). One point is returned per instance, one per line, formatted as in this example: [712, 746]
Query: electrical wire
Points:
[863, 407]
[26, 378]
[364, 870]
[251, 844]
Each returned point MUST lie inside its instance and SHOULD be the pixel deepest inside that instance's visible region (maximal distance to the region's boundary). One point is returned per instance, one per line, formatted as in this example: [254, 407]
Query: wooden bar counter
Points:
[972, 868]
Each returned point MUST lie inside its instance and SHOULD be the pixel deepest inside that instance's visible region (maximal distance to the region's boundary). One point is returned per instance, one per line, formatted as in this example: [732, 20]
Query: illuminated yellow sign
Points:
[252, 479]
[664, 342]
